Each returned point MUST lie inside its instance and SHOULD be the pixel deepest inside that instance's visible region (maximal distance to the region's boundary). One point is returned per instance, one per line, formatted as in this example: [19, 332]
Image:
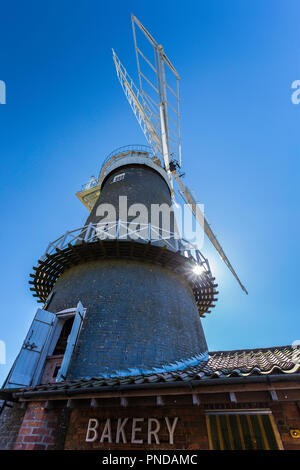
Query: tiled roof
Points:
[221, 364]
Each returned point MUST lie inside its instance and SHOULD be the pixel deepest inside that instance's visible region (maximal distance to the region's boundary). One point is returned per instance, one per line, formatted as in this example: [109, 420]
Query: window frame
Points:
[61, 317]
[119, 177]
[79, 316]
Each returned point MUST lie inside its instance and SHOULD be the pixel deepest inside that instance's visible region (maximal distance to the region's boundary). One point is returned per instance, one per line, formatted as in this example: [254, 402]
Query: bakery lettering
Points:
[129, 430]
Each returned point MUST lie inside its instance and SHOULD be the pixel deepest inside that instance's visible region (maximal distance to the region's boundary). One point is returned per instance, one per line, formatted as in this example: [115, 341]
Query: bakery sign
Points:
[132, 430]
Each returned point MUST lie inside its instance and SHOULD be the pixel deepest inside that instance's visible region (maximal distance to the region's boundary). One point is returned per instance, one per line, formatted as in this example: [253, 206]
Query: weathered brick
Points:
[49, 440]
[35, 438]
[40, 431]
[31, 424]
[21, 447]
[25, 430]
[10, 421]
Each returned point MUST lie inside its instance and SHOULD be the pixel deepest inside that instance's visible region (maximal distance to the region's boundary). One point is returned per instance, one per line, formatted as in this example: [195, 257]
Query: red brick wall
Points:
[38, 429]
[287, 417]
[10, 422]
[45, 430]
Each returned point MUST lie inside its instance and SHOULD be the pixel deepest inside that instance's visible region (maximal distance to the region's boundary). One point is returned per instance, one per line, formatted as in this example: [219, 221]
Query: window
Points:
[63, 337]
[72, 340]
[242, 430]
[63, 342]
[119, 177]
[57, 346]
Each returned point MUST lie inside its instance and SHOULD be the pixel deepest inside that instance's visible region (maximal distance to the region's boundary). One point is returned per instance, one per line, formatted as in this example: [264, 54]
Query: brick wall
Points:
[132, 321]
[39, 429]
[287, 417]
[10, 422]
[190, 432]
[65, 428]
[141, 185]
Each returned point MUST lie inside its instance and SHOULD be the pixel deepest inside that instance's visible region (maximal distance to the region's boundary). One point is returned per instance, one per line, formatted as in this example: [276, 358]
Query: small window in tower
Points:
[119, 177]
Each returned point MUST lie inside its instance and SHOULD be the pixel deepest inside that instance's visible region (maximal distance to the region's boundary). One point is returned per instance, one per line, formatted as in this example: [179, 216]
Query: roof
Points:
[221, 364]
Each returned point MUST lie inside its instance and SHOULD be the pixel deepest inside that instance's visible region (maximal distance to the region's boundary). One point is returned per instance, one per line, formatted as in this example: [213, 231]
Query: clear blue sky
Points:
[66, 111]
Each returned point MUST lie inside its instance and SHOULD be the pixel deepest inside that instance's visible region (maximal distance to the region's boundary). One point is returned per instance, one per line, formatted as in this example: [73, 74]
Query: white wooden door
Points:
[32, 351]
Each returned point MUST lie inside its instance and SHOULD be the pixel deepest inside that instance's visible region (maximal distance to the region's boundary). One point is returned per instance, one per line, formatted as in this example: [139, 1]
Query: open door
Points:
[72, 339]
[30, 360]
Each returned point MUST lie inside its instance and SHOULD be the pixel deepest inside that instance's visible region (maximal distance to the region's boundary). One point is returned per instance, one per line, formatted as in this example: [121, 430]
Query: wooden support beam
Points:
[117, 247]
[124, 402]
[160, 253]
[71, 404]
[102, 246]
[95, 403]
[147, 246]
[273, 395]
[131, 250]
[196, 399]
[203, 389]
[49, 405]
[159, 401]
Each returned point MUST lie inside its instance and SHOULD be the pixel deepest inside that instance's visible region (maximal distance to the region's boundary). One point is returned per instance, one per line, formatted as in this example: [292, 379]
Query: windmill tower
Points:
[123, 295]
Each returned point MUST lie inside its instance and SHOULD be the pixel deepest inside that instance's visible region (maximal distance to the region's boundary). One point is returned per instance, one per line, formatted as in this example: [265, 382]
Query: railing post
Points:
[88, 231]
[93, 232]
[47, 249]
[64, 239]
[198, 256]
[118, 229]
[176, 244]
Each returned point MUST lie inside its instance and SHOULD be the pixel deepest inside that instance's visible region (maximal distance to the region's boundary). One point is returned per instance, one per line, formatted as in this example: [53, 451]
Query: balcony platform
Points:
[91, 243]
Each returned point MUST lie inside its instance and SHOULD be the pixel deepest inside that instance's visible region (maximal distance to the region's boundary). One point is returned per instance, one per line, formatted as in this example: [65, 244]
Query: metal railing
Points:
[114, 156]
[124, 231]
[93, 181]
[134, 149]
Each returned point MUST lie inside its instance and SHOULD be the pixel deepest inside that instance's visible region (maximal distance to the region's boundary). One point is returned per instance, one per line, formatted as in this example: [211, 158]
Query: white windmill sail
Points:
[133, 94]
[159, 117]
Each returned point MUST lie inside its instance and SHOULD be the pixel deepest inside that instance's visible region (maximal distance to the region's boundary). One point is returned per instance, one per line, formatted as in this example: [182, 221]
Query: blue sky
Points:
[66, 111]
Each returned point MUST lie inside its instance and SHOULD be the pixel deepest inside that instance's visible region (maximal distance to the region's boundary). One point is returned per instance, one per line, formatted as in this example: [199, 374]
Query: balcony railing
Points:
[121, 152]
[128, 149]
[124, 231]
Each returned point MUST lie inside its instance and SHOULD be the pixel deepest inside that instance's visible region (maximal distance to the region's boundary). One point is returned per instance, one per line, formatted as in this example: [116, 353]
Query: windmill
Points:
[156, 106]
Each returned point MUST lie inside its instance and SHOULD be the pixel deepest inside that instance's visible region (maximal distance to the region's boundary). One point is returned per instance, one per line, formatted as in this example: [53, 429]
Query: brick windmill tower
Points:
[123, 295]
[120, 297]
